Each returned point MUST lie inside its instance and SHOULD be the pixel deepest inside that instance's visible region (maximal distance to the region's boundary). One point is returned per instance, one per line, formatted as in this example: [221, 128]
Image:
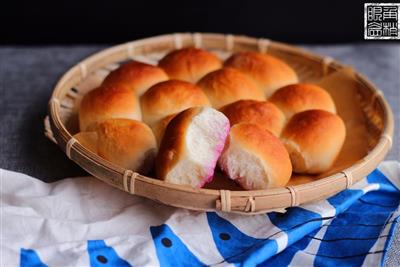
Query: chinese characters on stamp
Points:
[381, 21]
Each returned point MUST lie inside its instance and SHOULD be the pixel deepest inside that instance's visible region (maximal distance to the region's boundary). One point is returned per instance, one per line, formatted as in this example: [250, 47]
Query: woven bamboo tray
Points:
[368, 119]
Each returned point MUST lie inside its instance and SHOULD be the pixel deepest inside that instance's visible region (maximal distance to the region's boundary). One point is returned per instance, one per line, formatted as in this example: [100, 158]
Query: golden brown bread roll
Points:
[105, 102]
[88, 140]
[191, 145]
[268, 72]
[137, 76]
[263, 113]
[170, 97]
[255, 158]
[128, 143]
[228, 85]
[159, 127]
[313, 139]
[189, 64]
[295, 98]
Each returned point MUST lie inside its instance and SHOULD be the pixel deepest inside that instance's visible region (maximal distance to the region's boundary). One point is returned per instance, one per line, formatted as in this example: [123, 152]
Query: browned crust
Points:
[88, 140]
[268, 72]
[189, 64]
[124, 141]
[173, 143]
[137, 76]
[299, 97]
[314, 130]
[160, 127]
[106, 102]
[228, 85]
[267, 147]
[263, 113]
[170, 97]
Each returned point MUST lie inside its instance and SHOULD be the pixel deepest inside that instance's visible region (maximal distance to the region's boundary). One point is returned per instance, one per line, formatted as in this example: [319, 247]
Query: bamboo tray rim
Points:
[126, 50]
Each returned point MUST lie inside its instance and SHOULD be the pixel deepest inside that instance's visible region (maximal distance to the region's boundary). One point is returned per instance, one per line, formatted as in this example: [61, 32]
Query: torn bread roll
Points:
[313, 139]
[137, 76]
[295, 98]
[269, 73]
[255, 158]
[189, 64]
[159, 127]
[128, 143]
[106, 102]
[263, 113]
[170, 97]
[191, 146]
[228, 85]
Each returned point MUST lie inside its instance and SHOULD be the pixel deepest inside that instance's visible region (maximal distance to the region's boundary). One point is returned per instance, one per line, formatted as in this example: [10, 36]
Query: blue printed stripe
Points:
[285, 257]
[347, 240]
[171, 251]
[237, 247]
[378, 177]
[29, 258]
[343, 200]
[101, 255]
[345, 246]
[296, 222]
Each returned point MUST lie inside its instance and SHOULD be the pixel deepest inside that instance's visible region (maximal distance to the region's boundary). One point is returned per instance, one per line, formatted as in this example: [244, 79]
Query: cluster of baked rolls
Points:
[248, 116]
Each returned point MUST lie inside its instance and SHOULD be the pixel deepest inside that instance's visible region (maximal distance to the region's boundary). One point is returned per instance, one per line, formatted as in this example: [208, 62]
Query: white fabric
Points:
[70, 212]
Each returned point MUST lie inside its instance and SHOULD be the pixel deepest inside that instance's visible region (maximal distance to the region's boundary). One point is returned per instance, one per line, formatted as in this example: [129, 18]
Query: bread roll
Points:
[263, 113]
[295, 98]
[137, 76]
[128, 143]
[170, 97]
[189, 64]
[227, 85]
[267, 71]
[313, 139]
[105, 102]
[191, 145]
[88, 140]
[255, 158]
[159, 127]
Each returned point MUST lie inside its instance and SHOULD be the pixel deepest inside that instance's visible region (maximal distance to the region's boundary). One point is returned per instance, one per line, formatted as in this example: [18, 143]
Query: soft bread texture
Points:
[137, 76]
[191, 146]
[128, 143]
[313, 139]
[255, 158]
[228, 85]
[170, 97]
[106, 102]
[88, 140]
[295, 98]
[268, 72]
[189, 64]
[263, 113]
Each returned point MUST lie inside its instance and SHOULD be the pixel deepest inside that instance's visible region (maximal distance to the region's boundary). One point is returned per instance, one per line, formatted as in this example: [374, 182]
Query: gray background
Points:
[28, 75]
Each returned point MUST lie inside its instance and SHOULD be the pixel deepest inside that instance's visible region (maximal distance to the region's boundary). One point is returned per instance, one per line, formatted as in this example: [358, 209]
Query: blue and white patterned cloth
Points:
[83, 222]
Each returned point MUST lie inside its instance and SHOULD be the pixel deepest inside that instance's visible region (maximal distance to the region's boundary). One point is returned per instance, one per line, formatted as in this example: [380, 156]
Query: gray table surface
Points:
[28, 75]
